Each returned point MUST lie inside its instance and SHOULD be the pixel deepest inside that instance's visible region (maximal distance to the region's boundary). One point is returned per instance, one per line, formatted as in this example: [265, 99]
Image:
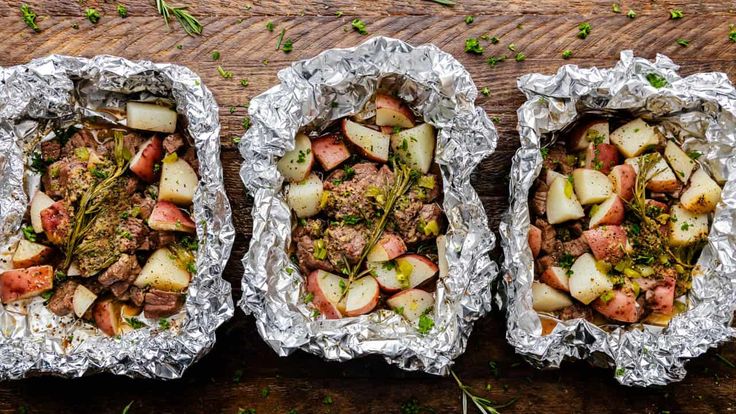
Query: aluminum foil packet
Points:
[57, 91]
[313, 93]
[699, 110]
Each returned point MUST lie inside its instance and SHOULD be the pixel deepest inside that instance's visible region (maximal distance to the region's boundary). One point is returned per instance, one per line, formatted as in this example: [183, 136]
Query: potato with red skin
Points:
[391, 111]
[622, 306]
[330, 151]
[623, 178]
[388, 247]
[362, 296]
[167, 216]
[422, 269]
[20, 284]
[607, 242]
[535, 240]
[29, 254]
[662, 207]
[557, 278]
[56, 222]
[584, 132]
[601, 157]
[106, 314]
[662, 297]
[326, 291]
[370, 143]
[143, 163]
[609, 212]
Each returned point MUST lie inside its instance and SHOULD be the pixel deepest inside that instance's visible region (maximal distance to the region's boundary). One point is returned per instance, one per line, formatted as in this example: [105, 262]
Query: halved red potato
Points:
[178, 182]
[662, 207]
[327, 289]
[411, 303]
[588, 280]
[388, 247]
[591, 186]
[702, 195]
[150, 117]
[20, 284]
[619, 305]
[305, 197]
[29, 254]
[168, 216]
[610, 211]
[623, 178]
[372, 144]
[547, 299]
[662, 298]
[386, 275]
[562, 204]
[330, 151]
[55, 221]
[418, 267]
[163, 271]
[585, 133]
[362, 296]
[556, 277]
[601, 157]
[296, 164]
[607, 242]
[392, 111]
[635, 137]
[535, 239]
[415, 146]
[107, 316]
[82, 300]
[143, 163]
[39, 202]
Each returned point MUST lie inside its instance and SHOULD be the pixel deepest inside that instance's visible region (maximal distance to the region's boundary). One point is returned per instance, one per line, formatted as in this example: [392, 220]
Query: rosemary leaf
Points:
[189, 23]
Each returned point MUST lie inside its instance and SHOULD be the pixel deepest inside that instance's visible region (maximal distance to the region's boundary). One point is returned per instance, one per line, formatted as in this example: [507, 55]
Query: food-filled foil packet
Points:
[59, 91]
[700, 110]
[314, 92]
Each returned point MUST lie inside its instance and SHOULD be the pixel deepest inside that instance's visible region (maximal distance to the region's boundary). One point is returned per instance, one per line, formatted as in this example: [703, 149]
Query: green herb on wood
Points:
[29, 17]
[92, 15]
[566, 54]
[631, 14]
[584, 30]
[189, 23]
[122, 11]
[472, 45]
[359, 26]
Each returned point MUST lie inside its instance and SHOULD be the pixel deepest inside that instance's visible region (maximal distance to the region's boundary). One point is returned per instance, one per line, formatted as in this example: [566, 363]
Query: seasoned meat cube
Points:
[50, 180]
[94, 286]
[576, 247]
[136, 295]
[173, 142]
[159, 239]
[74, 178]
[346, 242]
[61, 303]
[123, 270]
[550, 244]
[81, 139]
[557, 159]
[190, 156]
[404, 217]
[50, 150]
[538, 202]
[131, 234]
[161, 304]
[56, 222]
[358, 196]
[576, 311]
[130, 185]
[144, 203]
[313, 228]
[120, 290]
[545, 262]
[306, 259]
[131, 142]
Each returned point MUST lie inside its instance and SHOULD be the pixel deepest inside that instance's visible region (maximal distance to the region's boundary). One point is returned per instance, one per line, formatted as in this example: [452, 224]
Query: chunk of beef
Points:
[557, 159]
[61, 303]
[130, 185]
[131, 142]
[161, 304]
[538, 201]
[576, 247]
[94, 286]
[313, 228]
[173, 142]
[550, 244]
[81, 139]
[306, 259]
[120, 290]
[545, 262]
[137, 296]
[144, 203]
[131, 234]
[50, 180]
[56, 222]
[190, 156]
[124, 269]
[346, 242]
[576, 311]
[51, 150]
[352, 197]
[74, 178]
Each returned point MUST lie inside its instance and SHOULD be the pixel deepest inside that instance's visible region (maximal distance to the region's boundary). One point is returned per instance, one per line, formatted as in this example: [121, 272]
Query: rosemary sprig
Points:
[92, 202]
[484, 405]
[189, 23]
[444, 2]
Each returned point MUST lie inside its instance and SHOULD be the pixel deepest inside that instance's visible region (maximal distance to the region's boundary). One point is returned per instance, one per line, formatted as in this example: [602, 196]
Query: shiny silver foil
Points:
[701, 111]
[314, 92]
[59, 91]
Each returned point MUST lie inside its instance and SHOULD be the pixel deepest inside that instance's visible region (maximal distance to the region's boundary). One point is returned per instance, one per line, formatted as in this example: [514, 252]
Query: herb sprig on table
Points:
[189, 23]
[484, 405]
[29, 17]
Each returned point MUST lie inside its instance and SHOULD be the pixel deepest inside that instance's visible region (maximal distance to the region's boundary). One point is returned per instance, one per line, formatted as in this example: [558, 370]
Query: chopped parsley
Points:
[269, 26]
[351, 220]
[620, 372]
[359, 26]
[309, 297]
[469, 19]
[327, 400]
[685, 226]
[29, 233]
[683, 42]
[92, 15]
[339, 13]
[349, 172]
[29, 17]
[694, 154]
[122, 11]
[425, 324]
[226, 74]
[520, 57]
[656, 80]
[495, 60]
[288, 46]
[246, 123]
[135, 323]
[472, 45]
[303, 156]
[631, 14]
[244, 82]
[189, 243]
[616, 8]
[343, 286]
[566, 54]
[544, 152]
[732, 33]
[566, 262]
[215, 55]
[265, 391]
[164, 323]
[676, 14]
[485, 91]
[247, 410]
[495, 40]
[98, 173]
[511, 47]
[583, 30]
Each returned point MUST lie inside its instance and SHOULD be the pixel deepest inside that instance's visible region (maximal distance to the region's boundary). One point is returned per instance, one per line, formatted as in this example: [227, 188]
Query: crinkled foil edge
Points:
[336, 83]
[702, 107]
[30, 95]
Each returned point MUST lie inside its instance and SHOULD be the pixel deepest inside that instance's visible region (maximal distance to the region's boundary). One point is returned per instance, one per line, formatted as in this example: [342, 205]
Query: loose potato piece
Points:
[586, 133]
[305, 197]
[619, 305]
[591, 186]
[588, 281]
[687, 227]
[610, 211]
[20, 284]
[702, 195]
[623, 178]
[151, 117]
[163, 271]
[107, 316]
[29, 254]
[562, 204]
[296, 164]
[39, 203]
[660, 178]
[635, 137]
[548, 299]
[415, 146]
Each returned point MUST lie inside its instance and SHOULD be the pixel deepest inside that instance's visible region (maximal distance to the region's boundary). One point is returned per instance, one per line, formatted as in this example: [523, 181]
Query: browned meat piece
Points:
[136, 295]
[161, 304]
[50, 150]
[131, 142]
[313, 228]
[120, 290]
[61, 303]
[94, 286]
[81, 139]
[144, 203]
[56, 222]
[161, 239]
[352, 198]
[557, 159]
[576, 247]
[306, 259]
[130, 185]
[173, 142]
[346, 242]
[576, 229]
[124, 269]
[50, 180]
[576, 311]
[550, 244]
[538, 201]
[545, 262]
[74, 178]
[131, 234]
[190, 156]
[364, 169]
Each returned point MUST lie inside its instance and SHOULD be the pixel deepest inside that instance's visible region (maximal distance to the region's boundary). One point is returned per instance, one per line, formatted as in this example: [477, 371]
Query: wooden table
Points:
[241, 366]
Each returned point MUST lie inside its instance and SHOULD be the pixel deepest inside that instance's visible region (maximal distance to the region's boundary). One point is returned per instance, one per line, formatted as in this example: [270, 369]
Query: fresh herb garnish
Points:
[29, 233]
[494, 60]
[215, 55]
[631, 14]
[566, 54]
[520, 57]
[485, 91]
[512, 47]
[683, 42]
[280, 39]
[244, 82]
[566, 262]
[246, 123]
[484, 405]
[122, 11]
[469, 19]
[92, 15]
[472, 45]
[359, 26]
[135, 323]
[351, 220]
[288, 46]
[265, 391]
[224, 73]
[656, 80]
[426, 323]
[732, 33]
[544, 151]
[164, 323]
[584, 30]
[616, 8]
[29, 17]
[127, 408]
[676, 14]
[327, 400]
[309, 297]
[694, 154]
[339, 13]
[188, 22]
[269, 26]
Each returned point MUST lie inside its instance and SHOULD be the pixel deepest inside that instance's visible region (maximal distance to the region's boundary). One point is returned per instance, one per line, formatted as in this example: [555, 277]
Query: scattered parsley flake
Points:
[359, 26]
[180, 47]
[620, 372]
[485, 91]
[425, 324]
[92, 15]
[215, 55]
[265, 391]
[616, 8]
[244, 82]
[135, 323]
[566, 54]
[694, 154]
[164, 323]
[339, 13]
[288, 46]
[29, 233]
[683, 42]
[495, 40]
[732, 33]
[520, 57]
[122, 11]
[512, 47]
[584, 30]
[309, 297]
[247, 410]
[269, 26]
[685, 226]
[495, 60]
[656, 80]
[469, 19]
[544, 151]
[246, 123]
[472, 45]
[29, 17]
[631, 14]
[127, 408]
[226, 74]
[676, 14]
[327, 400]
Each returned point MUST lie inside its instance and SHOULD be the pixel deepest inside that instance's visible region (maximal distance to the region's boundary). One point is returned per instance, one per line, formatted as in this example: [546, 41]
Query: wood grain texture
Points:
[541, 29]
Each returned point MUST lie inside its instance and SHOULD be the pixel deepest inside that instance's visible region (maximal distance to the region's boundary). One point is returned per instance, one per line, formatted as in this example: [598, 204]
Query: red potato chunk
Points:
[623, 178]
[601, 157]
[330, 151]
[611, 211]
[662, 297]
[535, 240]
[56, 222]
[20, 284]
[143, 163]
[619, 305]
[167, 216]
[389, 247]
[557, 278]
[106, 314]
[607, 242]
[29, 254]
